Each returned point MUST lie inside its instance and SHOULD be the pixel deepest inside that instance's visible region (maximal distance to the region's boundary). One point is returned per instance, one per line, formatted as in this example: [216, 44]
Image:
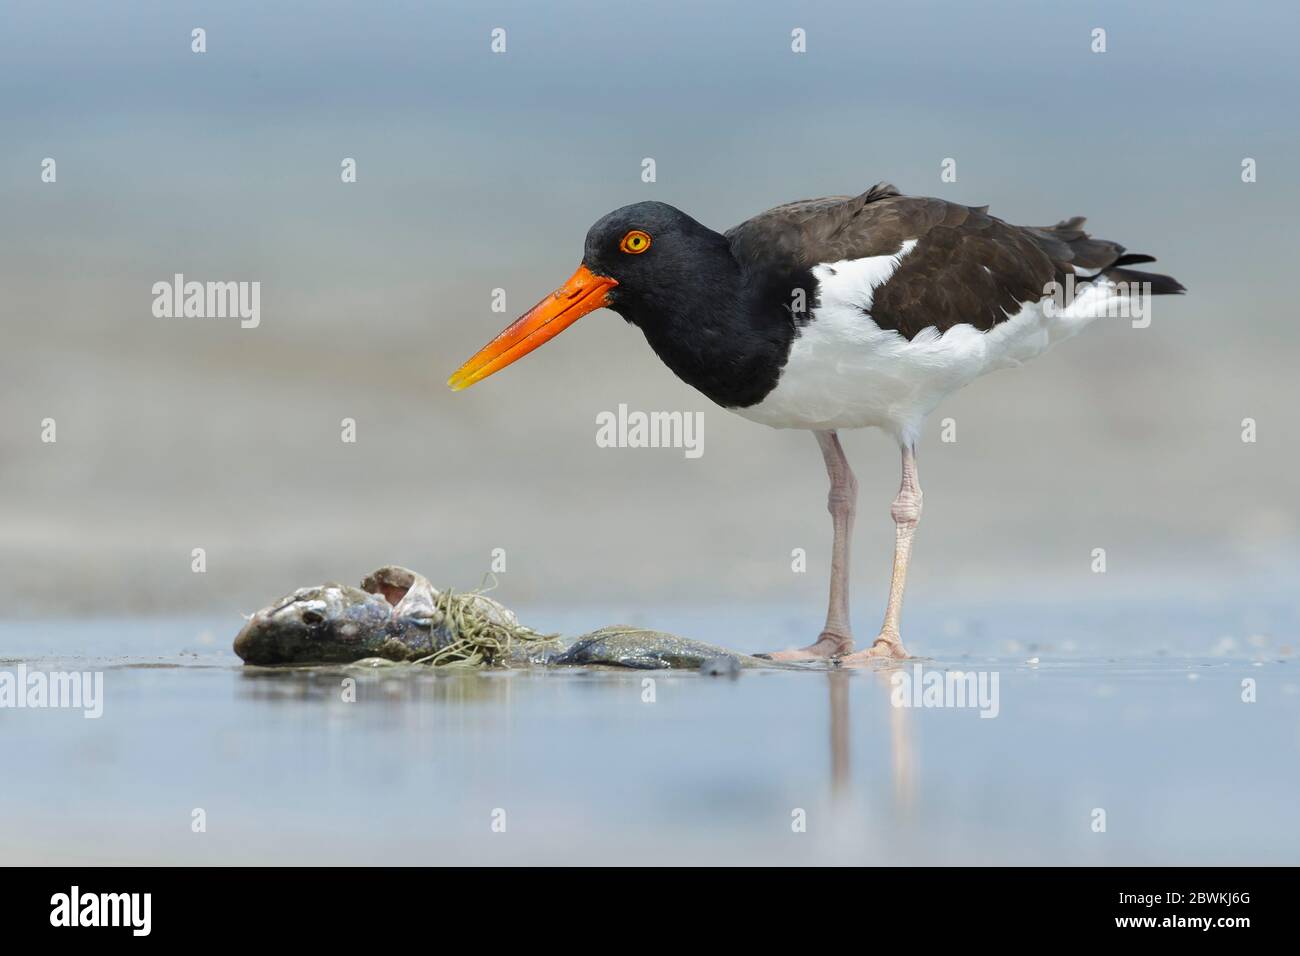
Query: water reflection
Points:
[902, 753]
[838, 682]
[439, 699]
[592, 773]
[398, 684]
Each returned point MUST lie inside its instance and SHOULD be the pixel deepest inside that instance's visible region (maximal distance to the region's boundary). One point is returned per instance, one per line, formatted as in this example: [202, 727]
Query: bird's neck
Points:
[718, 333]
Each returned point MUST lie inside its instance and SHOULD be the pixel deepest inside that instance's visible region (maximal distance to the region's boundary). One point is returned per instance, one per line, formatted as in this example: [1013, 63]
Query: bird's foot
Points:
[826, 646]
[885, 647]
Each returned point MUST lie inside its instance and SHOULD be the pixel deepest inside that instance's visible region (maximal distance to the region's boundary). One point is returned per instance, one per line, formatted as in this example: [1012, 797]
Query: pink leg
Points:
[907, 515]
[837, 637]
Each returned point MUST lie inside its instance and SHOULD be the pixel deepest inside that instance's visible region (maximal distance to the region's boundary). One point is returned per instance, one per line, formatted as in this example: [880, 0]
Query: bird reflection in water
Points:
[902, 753]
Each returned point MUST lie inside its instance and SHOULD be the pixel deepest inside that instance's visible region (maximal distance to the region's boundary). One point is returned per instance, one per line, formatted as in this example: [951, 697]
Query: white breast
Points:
[844, 371]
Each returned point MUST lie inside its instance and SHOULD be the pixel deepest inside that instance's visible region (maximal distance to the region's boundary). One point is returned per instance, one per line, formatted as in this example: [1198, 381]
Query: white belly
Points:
[844, 371]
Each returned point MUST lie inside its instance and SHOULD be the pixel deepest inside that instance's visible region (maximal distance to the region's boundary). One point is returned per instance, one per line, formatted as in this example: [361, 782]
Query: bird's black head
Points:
[656, 253]
[644, 261]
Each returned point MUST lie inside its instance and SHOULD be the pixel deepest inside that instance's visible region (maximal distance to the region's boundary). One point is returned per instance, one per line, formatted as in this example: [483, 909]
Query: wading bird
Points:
[843, 312]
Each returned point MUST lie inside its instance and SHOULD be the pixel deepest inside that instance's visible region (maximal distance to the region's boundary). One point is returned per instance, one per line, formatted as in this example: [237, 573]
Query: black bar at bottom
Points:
[327, 904]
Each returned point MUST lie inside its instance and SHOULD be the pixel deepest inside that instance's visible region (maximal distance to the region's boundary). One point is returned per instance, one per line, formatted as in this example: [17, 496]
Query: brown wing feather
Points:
[967, 267]
[803, 233]
[970, 268]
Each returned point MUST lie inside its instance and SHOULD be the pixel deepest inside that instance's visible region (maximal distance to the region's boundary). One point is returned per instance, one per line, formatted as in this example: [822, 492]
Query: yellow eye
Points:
[635, 242]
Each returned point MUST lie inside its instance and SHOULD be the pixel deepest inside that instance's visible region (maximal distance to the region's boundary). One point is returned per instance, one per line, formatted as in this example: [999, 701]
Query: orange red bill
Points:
[584, 292]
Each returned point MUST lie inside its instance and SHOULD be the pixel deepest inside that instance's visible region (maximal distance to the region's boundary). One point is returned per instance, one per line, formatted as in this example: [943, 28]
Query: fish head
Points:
[326, 624]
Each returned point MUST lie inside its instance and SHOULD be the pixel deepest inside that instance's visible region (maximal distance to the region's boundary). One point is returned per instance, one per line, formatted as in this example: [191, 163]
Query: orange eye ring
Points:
[635, 242]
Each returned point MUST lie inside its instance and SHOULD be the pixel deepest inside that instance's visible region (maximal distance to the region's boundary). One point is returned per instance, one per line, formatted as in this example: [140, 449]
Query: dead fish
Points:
[393, 615]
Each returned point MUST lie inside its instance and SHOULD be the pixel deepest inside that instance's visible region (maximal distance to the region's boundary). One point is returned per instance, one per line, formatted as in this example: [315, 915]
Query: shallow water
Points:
[1134, 709]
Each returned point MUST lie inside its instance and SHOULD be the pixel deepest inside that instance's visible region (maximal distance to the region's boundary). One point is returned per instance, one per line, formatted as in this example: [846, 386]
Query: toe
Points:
[883, 649]
[795, 654]
[826, 646]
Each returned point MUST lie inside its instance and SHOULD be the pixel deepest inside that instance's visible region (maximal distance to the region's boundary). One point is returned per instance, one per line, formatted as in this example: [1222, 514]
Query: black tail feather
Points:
[1132, 259]
[1159, 284]
[1066, 242]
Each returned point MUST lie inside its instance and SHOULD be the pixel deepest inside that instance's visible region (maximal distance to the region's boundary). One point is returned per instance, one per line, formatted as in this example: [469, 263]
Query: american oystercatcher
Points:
[844, 312]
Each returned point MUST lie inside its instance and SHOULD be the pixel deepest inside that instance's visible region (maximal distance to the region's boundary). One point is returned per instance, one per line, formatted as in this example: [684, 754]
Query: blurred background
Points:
[478, 171]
